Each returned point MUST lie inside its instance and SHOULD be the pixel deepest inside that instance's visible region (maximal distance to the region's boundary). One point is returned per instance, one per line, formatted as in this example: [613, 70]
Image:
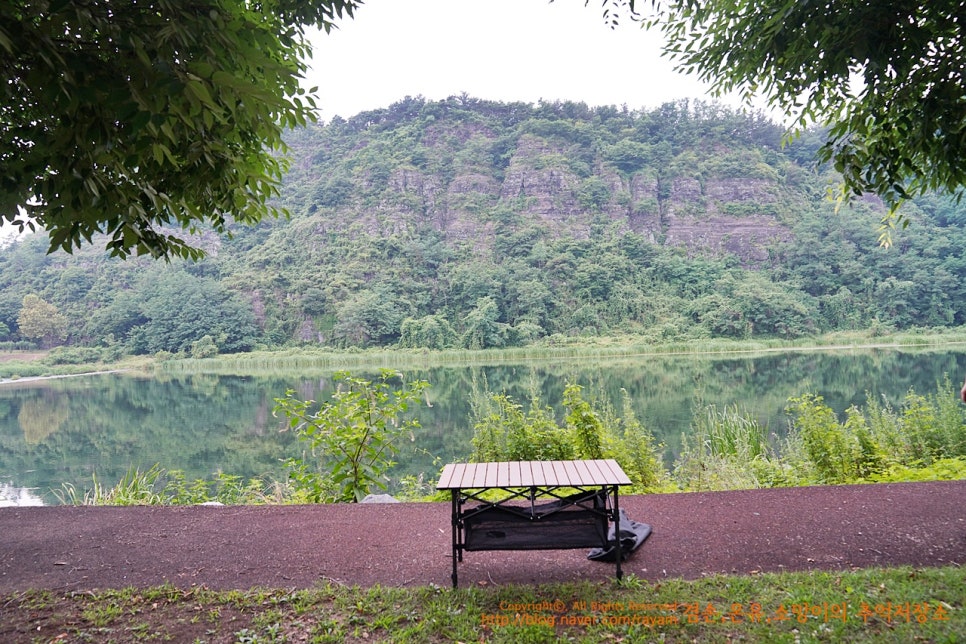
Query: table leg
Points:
[455, 521]
[617, 530]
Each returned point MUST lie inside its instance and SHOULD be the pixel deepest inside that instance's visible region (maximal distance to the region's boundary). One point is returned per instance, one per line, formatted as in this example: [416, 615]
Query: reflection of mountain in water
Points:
[12, 496]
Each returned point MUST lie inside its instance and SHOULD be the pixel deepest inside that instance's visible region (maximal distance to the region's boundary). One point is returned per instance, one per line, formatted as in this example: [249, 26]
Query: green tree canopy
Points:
[174, 310]
[142, 119]
[885, 76]
[40, 320]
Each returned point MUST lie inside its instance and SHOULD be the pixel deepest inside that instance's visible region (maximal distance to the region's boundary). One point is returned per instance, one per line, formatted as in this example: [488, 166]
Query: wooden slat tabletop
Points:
[530, 473]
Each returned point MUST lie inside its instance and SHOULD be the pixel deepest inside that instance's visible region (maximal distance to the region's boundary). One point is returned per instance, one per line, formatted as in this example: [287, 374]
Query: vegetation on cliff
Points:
[471, 224]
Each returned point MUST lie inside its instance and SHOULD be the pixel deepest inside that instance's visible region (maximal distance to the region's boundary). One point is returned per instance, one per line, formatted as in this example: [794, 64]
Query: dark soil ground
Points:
[409, 544]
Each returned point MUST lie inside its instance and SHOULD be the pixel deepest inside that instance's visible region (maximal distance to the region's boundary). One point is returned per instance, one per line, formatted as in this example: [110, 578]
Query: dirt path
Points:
[22, 356]
[406, 544]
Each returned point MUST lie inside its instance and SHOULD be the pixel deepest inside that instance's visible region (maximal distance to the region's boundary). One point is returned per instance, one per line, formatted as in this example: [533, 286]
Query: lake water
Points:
[65, 430]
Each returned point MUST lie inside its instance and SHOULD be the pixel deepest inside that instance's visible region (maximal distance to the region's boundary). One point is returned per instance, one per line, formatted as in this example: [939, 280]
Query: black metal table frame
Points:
[460, 496]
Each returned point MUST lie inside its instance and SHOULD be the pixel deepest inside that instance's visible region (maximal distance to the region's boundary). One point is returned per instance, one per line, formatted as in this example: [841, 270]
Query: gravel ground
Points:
[409, 544]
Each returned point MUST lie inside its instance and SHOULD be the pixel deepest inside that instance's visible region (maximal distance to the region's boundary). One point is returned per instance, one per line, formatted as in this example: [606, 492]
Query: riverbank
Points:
[34, 365]
[7, 381]
[30, 366]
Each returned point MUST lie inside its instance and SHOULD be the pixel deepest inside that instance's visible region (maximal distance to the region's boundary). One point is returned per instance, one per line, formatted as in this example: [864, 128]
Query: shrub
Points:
[826, 443]
[951, 419]
[585, 424]
[354, 433]
[430, 332]
[503, 432]
[945, 469]
[631, 444]
[924, 430]
[204, 348]
[74, 355]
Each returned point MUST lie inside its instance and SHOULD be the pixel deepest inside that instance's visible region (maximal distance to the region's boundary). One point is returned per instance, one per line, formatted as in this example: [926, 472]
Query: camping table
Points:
[584, 498]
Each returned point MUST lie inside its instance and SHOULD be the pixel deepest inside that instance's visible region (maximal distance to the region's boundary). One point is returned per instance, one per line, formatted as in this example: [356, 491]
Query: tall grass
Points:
[548, 349]
[134, 488]
[157, 486]
[924, 438]
[727, 449]
[504, 431]
[730, 432]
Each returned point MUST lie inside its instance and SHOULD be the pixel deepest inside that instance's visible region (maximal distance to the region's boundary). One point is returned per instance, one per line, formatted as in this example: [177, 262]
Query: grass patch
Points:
[872, 605]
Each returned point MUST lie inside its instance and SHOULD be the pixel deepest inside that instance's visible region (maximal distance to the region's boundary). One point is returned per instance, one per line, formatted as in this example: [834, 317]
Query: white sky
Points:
[503, 50]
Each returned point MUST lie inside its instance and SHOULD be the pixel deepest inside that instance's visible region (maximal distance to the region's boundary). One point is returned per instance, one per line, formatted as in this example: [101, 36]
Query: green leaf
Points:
[126, 64]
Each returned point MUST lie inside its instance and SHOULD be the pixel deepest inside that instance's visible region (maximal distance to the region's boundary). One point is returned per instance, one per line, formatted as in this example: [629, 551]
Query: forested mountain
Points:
[468, 223]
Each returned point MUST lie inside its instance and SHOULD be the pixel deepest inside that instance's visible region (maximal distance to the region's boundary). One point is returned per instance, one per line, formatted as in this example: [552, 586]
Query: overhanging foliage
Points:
[130, 118]
[886, 77]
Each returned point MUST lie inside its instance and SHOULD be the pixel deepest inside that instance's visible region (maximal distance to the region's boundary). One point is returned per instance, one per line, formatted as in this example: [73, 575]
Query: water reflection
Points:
[13, 496]
[62, 431]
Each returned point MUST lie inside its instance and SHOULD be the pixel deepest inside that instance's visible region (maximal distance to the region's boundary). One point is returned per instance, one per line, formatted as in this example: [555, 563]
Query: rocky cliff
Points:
[464, 172]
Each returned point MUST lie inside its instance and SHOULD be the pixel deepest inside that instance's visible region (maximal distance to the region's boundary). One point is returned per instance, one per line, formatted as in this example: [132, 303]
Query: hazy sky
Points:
[505, 50]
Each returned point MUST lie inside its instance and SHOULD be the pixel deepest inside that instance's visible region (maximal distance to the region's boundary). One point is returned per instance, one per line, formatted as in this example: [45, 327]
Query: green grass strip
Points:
[870, 605]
